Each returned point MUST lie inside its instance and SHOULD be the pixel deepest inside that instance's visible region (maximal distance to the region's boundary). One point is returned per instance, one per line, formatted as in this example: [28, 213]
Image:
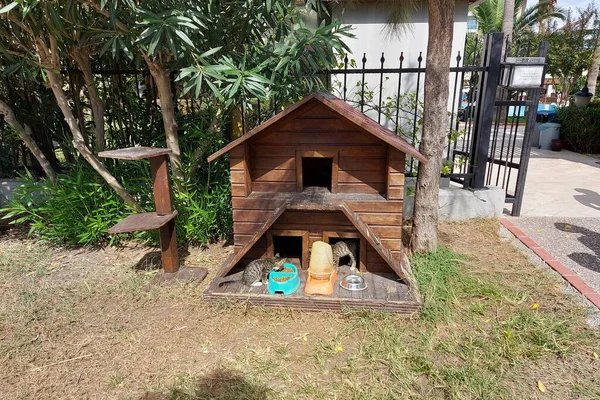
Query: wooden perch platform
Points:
[142, 222]
[135, 153]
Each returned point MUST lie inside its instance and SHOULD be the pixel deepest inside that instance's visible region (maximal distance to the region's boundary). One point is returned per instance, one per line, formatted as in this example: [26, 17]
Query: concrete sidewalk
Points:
[561, 210]
[562, 184]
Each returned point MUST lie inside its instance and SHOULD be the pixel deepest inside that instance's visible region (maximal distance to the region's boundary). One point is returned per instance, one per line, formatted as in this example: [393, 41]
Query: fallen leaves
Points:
[541, 386]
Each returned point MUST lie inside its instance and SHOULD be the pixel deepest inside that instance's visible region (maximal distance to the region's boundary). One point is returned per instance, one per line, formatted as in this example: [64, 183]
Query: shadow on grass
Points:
[221, 384]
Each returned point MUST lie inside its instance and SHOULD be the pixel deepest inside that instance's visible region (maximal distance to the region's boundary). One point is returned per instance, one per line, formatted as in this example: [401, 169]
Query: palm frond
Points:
[489, 15]
[400, 16]
[486, 15]
[399, 13]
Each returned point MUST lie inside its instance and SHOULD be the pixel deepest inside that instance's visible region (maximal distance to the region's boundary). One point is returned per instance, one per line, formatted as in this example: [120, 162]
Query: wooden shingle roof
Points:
[343, 110]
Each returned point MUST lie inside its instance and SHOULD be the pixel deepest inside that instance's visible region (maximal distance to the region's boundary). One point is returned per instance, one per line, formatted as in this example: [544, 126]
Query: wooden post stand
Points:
[163, 218]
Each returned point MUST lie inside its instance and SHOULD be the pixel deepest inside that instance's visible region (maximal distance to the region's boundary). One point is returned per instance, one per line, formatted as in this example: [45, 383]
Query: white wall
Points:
[373, 37]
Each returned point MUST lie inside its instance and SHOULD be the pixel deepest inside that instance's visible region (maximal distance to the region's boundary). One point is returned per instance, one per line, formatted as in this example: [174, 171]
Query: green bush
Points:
[580, 127]
[80, 207]
[204, 197]
[76, 210]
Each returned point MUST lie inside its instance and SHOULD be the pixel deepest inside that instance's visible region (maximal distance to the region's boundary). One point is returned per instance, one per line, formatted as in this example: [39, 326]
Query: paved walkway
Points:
[561, 210]
[562, 184]
[575, 242]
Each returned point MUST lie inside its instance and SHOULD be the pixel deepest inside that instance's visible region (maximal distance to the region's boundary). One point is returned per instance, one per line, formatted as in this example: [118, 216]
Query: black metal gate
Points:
[505, 123]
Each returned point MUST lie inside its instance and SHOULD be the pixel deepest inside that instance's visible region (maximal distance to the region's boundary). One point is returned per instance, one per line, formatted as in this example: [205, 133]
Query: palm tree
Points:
[490, 15]
[508, 20]
[593, 72]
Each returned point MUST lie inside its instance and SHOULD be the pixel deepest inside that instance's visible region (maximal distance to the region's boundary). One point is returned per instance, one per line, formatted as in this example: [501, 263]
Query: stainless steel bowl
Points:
[353, 282]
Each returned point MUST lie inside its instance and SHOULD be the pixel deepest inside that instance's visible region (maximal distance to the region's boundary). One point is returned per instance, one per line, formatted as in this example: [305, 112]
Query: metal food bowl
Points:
[353, 282]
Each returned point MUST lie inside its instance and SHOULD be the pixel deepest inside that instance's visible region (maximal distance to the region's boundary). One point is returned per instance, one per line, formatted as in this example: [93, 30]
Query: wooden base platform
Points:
[384, 292]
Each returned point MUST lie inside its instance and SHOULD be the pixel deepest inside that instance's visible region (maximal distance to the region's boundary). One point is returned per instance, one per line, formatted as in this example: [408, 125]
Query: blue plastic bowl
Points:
[287, 287]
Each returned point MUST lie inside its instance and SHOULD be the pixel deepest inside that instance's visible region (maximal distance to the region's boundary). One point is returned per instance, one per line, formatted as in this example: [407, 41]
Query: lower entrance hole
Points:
[346, 259]
[289, 247]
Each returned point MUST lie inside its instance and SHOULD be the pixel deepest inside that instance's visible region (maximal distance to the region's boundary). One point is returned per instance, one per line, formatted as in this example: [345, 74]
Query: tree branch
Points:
[20, 24]
[96, 6]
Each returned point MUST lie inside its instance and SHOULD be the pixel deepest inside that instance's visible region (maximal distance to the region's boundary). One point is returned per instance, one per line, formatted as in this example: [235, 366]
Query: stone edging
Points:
[566, 273]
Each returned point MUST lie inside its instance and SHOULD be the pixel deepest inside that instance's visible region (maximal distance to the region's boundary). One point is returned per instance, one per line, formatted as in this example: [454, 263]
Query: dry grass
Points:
[84, 324]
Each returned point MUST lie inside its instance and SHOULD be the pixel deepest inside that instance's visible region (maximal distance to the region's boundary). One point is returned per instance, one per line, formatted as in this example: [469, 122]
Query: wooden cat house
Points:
[320, 170]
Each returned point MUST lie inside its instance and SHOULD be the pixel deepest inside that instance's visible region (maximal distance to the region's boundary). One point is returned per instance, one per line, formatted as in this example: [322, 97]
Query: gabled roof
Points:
[343, 110]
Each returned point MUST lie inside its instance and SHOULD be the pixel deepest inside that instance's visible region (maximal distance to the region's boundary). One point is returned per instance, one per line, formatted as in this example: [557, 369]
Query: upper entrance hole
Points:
[317, 171]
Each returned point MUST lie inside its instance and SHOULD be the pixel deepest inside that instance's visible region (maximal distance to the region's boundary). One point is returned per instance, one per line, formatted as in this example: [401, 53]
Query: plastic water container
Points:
[548, 132]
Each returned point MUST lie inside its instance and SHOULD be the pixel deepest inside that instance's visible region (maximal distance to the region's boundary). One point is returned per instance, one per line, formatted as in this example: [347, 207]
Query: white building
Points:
[369, 19]
[373, 37]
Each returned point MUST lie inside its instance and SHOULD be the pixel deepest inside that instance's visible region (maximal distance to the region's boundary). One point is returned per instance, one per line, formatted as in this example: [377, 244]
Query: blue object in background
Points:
[545, 109]
[545, 112]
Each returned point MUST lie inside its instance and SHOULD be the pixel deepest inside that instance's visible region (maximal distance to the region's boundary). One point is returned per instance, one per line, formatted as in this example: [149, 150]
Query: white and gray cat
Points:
[257, 272]
[342, 249]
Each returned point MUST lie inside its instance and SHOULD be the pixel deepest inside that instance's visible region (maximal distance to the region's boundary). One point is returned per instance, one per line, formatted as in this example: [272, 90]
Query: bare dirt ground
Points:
[84, 323]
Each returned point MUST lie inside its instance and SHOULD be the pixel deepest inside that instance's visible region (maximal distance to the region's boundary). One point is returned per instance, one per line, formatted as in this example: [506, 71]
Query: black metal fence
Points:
[391, 95]
[484, 142]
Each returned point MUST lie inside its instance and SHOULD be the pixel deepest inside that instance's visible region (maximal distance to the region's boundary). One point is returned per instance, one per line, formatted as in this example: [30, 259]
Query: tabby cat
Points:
[257, 272]
[342, 249]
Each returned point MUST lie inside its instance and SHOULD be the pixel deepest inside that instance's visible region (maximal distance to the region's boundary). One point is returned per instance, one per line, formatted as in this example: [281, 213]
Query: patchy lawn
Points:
[84, 324]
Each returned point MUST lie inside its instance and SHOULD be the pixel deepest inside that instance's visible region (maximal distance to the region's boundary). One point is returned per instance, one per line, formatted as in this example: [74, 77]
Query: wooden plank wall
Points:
[362, 162]
[385, 220]
[395, 174]
[248, 216]
[239, 169]
[331, 221]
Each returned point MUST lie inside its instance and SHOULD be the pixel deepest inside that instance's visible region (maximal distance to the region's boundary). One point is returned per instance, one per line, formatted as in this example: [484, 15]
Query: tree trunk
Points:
[79, 142]
[163, 86]
[508, 21]
[75, 88]
[592, 78]
[83, 60]
[24, 132]
[523, 8]
[435, 117]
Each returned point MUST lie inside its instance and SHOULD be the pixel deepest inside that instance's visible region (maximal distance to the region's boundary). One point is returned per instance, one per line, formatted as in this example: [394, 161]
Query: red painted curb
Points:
[594, 298]
[566, 273]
